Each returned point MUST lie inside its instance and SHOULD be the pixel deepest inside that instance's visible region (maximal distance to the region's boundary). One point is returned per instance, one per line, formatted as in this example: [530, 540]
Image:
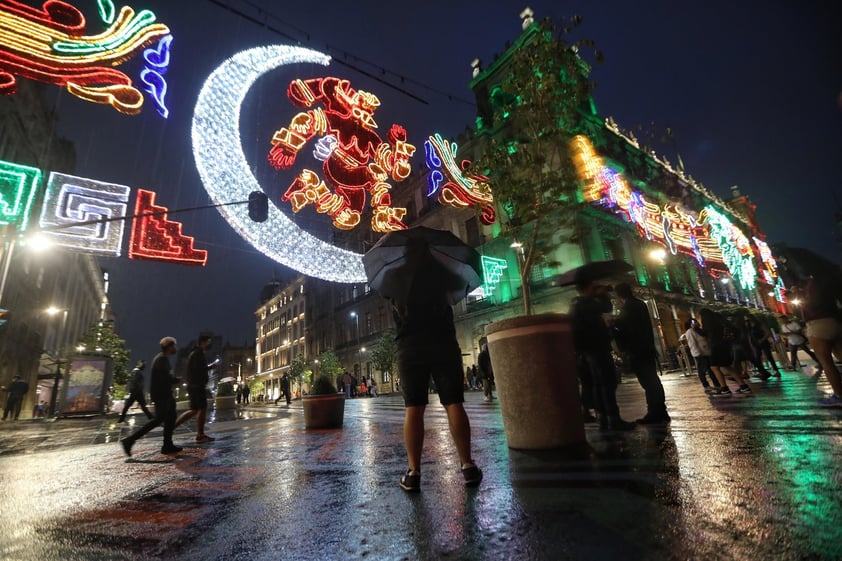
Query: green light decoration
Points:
[106, 11]
[18, 185]
[735, 246]
[119, 38]
[492, 272]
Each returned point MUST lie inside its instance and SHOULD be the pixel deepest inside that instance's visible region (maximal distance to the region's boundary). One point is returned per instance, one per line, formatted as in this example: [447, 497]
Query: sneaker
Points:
[171, 449]
[743, 389]
[650, 419]
[724, 390]
[711, 391]
[411, 482]
[472, 475]
[831, 401]
[127, 446]
[204, 438]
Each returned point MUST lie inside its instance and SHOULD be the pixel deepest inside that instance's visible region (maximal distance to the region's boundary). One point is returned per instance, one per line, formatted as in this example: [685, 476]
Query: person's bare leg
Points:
[460, 430]
[720, 377]
[413, 435]
[184, 416]
[201, 416]
[824, 350]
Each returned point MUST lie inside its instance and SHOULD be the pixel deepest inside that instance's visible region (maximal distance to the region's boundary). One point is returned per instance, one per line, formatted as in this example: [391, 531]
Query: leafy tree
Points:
[538, 107]
[385, 353]
[298, 371]
[329, 364]
[100, 338]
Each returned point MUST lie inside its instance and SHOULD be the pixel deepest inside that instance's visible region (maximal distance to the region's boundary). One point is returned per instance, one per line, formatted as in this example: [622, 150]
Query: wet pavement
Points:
[751, 477]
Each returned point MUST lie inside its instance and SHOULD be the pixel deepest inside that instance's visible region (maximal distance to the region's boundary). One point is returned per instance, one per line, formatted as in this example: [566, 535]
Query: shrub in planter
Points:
[324, 408]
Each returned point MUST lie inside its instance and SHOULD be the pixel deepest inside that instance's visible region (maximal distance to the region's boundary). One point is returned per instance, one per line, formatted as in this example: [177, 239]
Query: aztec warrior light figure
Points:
[355, 159]
[49, 45]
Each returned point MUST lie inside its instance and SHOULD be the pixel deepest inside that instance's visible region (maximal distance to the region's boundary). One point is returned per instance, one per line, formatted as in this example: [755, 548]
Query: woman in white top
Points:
[700, 349]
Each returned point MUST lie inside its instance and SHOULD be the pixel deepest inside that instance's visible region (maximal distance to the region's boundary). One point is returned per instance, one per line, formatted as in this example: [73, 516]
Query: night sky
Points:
[752, 94]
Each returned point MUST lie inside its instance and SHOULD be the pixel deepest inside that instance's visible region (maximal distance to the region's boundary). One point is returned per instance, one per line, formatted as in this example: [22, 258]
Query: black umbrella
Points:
[594, 271]
[395, 259]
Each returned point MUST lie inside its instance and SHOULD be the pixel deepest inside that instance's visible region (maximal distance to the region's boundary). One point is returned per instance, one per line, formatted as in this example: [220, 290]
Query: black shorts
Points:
[441, 361]
[198, 397]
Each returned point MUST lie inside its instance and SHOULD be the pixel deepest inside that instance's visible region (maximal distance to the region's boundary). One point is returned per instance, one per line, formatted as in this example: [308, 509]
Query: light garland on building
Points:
[158, 239]
[735, 247]
[18, 186]
[49, 45]
[355, 160]
[447, 179]
[227, 175]
[70, 200]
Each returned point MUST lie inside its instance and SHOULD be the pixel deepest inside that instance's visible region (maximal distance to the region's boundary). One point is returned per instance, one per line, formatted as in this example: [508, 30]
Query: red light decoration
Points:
[49, 45]
[158, 239]
[356, 161]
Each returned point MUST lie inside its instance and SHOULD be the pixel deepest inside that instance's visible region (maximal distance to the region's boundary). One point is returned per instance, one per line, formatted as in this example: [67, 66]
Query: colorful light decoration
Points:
[492, 272]
[355, 160]
[70, 200]
[158, 239]
[712, 238]
[49, 45]
[227, 175]
[448, 179]
[18, 185]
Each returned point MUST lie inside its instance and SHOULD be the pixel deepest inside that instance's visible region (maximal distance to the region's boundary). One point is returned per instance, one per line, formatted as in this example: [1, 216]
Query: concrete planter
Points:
[535, 373]
[324, 411]
[223, 402]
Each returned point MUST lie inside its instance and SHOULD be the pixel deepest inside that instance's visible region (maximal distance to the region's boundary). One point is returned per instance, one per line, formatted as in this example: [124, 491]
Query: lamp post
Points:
[53, 311]
[658, 255]
[359, 351]
[521, 261]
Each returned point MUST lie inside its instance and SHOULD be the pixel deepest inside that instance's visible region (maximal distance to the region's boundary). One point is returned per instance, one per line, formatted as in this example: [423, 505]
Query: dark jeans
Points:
[793, 354]
[135, 397]
[647, 374]
[604, 383]
[704, 370]
[13, 406]
[765, 350]
[164, 415]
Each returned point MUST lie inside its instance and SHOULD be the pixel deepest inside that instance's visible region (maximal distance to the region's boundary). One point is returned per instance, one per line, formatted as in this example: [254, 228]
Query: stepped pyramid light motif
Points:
[158, 239]
[492, 272]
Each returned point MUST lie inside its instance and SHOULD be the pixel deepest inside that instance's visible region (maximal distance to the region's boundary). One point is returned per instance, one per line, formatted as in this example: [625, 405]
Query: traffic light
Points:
[3, 318]
[258, 206]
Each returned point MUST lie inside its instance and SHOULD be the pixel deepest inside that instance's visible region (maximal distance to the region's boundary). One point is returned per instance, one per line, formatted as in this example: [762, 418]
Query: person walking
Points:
[793, 330]
[162, 382]
[824, 330]
[197, 383]
[427, 347]
[592, 341]
[17, 391]
[720, 335]
[699, 347]
[285, 391]
[486, 372]
[635, 337]
[347, 380]
[759, 334]
[136, 393]
[246, 393]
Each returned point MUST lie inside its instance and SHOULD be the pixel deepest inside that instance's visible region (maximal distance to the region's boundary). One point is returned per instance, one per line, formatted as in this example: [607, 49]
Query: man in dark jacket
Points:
[17, 391]
[593, 344]
[197, 382]
[162, 382]
[636, 339]
[135, 392]
[285, 390]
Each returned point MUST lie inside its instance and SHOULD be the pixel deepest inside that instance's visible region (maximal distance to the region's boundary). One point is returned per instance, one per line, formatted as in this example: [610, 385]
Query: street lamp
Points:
[359, 352]
[53, 311]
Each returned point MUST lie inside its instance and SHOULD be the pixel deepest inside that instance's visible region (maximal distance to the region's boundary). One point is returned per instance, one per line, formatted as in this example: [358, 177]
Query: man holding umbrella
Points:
[424, 272]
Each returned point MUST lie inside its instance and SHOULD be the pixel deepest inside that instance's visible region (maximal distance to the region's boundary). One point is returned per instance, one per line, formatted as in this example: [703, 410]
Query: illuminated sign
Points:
[49, 45]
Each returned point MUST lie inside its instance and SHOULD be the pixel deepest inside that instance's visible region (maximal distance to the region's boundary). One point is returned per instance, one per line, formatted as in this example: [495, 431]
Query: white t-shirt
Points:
[698, 344]
[793, 331]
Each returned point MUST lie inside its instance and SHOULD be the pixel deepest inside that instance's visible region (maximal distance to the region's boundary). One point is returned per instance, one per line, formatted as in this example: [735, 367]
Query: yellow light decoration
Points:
[34, 46]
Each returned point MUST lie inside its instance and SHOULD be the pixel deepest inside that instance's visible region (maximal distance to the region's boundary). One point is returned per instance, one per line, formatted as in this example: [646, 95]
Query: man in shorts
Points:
[197, 381]
[427, 347]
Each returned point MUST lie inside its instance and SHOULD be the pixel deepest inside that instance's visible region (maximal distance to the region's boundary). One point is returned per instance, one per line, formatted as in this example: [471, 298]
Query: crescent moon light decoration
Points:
[227, 176]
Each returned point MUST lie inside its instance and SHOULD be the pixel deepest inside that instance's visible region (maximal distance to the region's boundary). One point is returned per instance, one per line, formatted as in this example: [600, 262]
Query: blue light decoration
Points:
[452, 185]
[158, 62]
[492, 272]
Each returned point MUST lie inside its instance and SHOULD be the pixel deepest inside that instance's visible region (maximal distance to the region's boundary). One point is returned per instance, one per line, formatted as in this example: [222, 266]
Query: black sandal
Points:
[472, 475]
[411, 482]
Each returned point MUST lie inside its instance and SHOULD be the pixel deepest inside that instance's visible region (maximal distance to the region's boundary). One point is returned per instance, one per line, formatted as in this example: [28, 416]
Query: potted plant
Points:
[324, 408]
[225, 398]
[538, 105]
